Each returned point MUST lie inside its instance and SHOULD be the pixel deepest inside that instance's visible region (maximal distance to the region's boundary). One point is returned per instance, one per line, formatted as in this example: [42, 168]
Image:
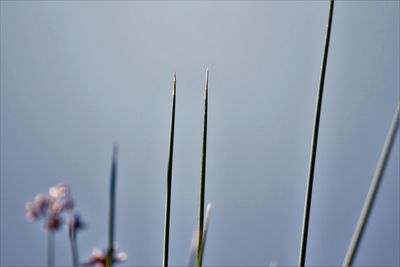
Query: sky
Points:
[77, 76]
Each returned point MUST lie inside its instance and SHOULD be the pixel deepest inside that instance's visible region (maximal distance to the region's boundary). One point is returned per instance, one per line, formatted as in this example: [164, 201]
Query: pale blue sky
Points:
[78, 75]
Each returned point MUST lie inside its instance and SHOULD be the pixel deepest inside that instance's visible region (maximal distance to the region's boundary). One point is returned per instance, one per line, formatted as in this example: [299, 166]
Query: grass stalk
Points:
[111, 226]
[194, 245]
[307, 206]
[50, 249]
[203, 173]
[203, 242]
[373, 189]
[169, 179]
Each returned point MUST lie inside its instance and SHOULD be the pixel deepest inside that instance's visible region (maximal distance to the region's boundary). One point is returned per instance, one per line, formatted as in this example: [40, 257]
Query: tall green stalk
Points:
[111, 226]
[373, 189]
[169, 179]
[307, 206]
[203, 174]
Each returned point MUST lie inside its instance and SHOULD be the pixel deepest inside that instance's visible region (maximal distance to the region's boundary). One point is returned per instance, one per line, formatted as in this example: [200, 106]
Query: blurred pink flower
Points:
[53, 222]
[51, 206]
[99, 257]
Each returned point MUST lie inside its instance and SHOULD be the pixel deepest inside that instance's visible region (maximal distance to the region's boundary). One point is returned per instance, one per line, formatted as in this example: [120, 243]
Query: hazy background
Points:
[78, 75]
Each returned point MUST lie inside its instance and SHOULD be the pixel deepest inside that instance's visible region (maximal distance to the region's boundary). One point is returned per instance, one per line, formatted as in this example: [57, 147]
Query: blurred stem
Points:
[50, 248]
[203, 174]
[307, 206]
[371, 196]
[169, 179]
[111, 228]
[72, 239]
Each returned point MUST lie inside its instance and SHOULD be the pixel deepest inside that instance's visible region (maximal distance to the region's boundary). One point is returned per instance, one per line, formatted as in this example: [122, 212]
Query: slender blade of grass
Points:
[169, 179]
[373, 189]
[307, 206]
[111, 226]
[203, 172]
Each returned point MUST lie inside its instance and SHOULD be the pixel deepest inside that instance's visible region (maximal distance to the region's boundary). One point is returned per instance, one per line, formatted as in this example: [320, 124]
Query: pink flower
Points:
[41, 202]
[53, 222]
[99, 257]
[60, 191]
[50, 206]
[32, 212]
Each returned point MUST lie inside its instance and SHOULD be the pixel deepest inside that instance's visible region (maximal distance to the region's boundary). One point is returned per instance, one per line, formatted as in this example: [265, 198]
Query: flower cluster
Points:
[99, 257]
[51, 206]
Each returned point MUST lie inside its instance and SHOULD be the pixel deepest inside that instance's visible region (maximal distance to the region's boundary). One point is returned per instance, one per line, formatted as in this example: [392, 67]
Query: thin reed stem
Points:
[111, 228]
[307, 206]
[169, 179]
[203, 173]
[50, 249]
[373, 189]
[203, 242]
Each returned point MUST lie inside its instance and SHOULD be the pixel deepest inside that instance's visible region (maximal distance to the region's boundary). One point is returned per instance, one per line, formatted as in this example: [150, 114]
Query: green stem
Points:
[373, 189]
[307, 206]
[169, 180]
[203, 174]
[111, 227]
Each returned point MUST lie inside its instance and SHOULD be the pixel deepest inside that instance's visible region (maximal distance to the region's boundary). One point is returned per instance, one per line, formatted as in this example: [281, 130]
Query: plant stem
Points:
[111, 229]
[50, 248]
[203, 243]
[307, 207]
[371, 196]
[72, 239]
[203, 173]
[169, 179]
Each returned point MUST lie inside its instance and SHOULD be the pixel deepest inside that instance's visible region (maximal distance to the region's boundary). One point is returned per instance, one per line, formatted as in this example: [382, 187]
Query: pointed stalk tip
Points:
[174, 89]
[115, 150]
[207, 74]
